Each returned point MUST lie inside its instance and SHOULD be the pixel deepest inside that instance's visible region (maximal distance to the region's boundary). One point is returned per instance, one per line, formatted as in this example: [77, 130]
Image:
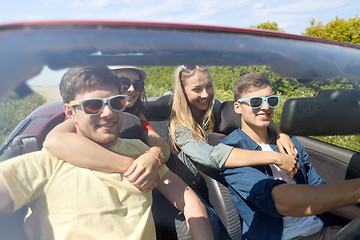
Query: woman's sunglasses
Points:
[190, 68]
[257, 102]
[126, 83]
[94, 106]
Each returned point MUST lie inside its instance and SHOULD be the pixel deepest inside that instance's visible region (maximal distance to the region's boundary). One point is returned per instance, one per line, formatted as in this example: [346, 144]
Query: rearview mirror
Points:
[331, 112]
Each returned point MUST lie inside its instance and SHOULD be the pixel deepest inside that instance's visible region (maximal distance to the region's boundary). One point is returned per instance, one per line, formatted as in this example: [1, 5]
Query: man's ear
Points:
[69, 111]
[237, 107]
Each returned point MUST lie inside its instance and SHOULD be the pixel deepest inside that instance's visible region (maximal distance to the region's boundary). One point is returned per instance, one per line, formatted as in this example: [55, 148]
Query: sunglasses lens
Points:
[189, 68]
[273, 101]
[256, 102]
[92, 106]
[138, 85]
[118, 103]
[125, 83]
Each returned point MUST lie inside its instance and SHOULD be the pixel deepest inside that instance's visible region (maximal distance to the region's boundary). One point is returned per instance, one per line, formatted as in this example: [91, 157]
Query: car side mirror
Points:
[331, 112]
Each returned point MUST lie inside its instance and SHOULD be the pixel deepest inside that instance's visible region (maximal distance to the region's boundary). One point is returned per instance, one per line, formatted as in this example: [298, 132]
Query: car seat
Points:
[158, 114]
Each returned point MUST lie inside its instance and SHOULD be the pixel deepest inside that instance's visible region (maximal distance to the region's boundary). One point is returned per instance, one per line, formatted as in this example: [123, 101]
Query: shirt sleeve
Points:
[146, 125]
[202, 152]
[25, 175]
[313, 177]
[253, 186]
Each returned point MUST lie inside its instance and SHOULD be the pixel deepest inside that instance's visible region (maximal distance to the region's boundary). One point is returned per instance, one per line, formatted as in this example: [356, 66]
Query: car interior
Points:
[60, 45]
[300, 114]
[333, 164]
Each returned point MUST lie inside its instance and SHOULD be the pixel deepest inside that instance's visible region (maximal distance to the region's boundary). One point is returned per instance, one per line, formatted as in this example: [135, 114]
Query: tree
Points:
[273, 26]
[338, 29]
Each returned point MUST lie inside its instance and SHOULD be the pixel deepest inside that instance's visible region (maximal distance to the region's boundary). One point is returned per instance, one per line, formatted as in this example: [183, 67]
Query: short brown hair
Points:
[78, 79]
[249, 80]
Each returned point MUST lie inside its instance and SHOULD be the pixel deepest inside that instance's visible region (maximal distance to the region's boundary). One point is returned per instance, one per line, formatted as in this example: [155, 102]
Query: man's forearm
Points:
[299, 200]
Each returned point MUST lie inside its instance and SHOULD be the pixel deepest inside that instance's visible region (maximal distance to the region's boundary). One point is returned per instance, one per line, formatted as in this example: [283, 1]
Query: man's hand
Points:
[286, 145]
[143, 173]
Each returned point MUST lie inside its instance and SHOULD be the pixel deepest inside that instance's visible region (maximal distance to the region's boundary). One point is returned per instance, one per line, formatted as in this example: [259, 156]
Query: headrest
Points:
[228, 120]
[159, 109]
[131, 127]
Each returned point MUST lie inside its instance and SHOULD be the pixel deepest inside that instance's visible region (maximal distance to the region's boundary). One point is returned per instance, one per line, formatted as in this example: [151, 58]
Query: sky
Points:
[291, 15]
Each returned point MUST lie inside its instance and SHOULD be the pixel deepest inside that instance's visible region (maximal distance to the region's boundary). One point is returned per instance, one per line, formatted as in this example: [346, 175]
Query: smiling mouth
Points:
[131, 97]
[106, 126]
[263, 115]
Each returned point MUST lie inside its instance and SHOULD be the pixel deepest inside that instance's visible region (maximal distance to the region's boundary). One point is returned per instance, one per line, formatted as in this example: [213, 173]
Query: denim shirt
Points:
[200, 152]
[251, 187]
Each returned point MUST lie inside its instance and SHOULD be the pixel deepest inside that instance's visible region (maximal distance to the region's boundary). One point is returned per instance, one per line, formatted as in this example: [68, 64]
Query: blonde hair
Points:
[181, 114]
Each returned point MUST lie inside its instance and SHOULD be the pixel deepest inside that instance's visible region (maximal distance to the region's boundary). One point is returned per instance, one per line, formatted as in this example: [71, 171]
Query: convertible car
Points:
[26, 48]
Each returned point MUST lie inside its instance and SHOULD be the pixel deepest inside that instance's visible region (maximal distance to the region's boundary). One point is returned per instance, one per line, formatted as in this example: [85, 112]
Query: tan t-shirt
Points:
[69, 202]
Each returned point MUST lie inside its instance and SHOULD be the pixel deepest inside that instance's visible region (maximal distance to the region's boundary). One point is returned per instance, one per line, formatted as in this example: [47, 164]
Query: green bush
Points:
[159, 77]
[14, 109]
[159, 81]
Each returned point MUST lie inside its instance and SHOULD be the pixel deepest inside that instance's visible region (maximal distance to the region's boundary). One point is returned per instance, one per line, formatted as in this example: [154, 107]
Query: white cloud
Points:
[291, 14]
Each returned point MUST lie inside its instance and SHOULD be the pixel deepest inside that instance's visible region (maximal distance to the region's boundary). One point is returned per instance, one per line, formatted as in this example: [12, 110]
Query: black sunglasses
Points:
[94, 106]
[126, 83]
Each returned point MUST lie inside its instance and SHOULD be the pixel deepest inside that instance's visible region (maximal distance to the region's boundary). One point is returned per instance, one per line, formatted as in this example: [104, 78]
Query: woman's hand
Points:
[288, 163]
[143, 173]
[286, 145]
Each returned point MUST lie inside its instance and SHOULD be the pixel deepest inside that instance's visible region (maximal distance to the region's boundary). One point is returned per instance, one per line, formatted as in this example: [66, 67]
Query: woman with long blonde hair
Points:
[182, 112]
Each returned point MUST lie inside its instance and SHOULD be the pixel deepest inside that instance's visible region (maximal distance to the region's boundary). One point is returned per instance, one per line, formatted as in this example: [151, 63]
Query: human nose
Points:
[106, 111]
[265, 105]
[131, 88]
[204, 93]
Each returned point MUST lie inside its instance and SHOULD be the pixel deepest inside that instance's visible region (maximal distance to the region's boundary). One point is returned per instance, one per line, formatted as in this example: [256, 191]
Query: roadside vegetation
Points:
[14, 109]
[159, 81]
